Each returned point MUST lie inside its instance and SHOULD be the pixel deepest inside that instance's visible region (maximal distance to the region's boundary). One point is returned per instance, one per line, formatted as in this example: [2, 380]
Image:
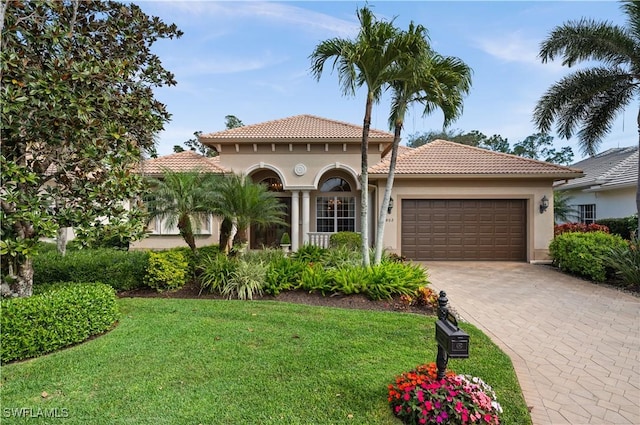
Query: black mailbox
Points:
[451, 338]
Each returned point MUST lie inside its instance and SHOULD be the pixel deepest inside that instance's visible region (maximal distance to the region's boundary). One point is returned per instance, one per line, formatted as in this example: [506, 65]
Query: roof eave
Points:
[545, 176]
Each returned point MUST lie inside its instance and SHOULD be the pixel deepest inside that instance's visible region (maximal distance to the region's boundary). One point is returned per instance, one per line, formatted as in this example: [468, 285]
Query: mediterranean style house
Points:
[450, 201]
[608, 187]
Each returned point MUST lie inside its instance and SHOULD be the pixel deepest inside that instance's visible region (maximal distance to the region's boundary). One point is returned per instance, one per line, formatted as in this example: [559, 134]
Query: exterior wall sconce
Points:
[544, 204]
[390, 208]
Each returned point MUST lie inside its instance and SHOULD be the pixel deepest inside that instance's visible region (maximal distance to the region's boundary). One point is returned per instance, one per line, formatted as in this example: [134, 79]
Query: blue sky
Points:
[250, 59]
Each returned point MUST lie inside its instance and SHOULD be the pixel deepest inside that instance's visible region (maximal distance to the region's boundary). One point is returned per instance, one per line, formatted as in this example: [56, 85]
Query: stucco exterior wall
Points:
[539, 225]
[299, 165]
[615, 203]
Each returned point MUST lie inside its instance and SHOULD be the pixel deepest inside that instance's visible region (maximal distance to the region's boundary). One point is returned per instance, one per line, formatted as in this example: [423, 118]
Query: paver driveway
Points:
[575, 346]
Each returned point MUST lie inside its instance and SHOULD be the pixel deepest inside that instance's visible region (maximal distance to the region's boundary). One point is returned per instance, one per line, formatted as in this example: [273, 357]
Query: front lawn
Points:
[182, 361]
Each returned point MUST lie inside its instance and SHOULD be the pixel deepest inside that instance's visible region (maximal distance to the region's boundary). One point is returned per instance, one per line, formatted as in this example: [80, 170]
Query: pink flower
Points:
[406, 396]
[420, 395]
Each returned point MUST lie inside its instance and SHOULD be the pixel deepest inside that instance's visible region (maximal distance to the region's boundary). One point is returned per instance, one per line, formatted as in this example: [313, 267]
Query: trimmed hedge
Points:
[167, 270]
[582, 253]
[350, 240]
[66, 314]
[123, 270]
[624, 227]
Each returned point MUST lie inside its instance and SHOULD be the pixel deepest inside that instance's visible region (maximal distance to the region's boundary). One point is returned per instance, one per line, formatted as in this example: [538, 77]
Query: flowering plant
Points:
[418, 397]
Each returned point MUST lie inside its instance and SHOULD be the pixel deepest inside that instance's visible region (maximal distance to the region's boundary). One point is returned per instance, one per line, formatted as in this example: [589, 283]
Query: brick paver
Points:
[575, 345]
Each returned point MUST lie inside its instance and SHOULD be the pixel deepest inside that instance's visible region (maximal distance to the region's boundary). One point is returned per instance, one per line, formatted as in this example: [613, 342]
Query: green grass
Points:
[178, 361]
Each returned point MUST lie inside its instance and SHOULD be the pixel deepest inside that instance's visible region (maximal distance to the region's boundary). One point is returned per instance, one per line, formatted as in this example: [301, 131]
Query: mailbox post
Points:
[452, 341]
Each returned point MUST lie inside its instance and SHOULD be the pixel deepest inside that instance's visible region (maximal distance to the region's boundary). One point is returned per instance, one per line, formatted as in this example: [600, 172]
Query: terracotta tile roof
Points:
[297, 127]
[401, 150]
[182, 161]
[616, 167]
[441, 157]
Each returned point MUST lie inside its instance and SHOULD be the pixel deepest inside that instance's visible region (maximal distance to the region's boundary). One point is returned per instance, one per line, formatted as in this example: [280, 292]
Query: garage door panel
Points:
[464, 229]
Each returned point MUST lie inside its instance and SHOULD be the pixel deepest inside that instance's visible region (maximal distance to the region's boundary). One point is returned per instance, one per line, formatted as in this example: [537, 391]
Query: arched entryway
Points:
[269, 236]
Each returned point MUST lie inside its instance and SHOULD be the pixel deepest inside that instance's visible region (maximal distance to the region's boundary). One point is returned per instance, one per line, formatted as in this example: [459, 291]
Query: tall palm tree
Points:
[591, 98]
[184, 200]
[435, 81]
[367, 60]
[241, 201]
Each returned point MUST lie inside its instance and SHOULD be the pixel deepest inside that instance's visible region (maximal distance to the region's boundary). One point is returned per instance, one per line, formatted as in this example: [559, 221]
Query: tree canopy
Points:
[537, 146]
[78, 112]
[587, 101]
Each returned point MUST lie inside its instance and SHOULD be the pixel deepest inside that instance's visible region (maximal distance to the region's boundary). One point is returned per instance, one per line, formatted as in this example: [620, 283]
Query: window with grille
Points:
[336, 214]
[587, 213]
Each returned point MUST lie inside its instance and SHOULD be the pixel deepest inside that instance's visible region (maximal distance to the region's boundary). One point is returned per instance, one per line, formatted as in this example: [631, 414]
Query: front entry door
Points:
[269, 237]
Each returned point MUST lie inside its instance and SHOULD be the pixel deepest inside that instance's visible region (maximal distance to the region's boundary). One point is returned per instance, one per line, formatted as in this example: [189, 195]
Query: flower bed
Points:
[418, 397]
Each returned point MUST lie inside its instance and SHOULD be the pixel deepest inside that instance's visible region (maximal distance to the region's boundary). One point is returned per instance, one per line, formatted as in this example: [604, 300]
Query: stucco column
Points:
[305, 217]
[295, 220]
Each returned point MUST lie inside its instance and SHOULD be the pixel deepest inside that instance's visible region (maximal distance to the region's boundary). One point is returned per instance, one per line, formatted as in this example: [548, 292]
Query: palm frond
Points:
[587, 98]
[632, 10]
[587, 39]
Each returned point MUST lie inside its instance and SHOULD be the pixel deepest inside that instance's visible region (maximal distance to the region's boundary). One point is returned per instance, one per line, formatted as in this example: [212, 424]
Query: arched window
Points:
[335, 184]
[336, 213]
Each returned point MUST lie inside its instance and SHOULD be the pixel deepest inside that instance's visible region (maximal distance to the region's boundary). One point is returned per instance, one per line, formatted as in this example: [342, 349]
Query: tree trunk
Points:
[638, 188]
[61, 240]
[184, 226]
[22, 285]
[225, 231]
[382, 217]
[364, 182]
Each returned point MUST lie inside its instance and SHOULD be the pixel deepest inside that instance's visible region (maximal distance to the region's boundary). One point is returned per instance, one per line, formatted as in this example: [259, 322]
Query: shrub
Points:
[625, 261]
[315, 278]
[350, 240]
[285, 239]
[418, 397]
[310, 253]
[341, 256]
[167, 270]
[266, 255]
[215, 272]
[579, 227]
[283, 274]
[624, 227]
[194, 259]
[424, 296]
[389, 279]
[246, 281]
[582, 253]
[123, 270]
[63, 316]
[350, 279]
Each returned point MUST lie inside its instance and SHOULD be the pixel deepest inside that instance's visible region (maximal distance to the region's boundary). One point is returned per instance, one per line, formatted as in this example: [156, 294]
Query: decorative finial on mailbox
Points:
[443, 310]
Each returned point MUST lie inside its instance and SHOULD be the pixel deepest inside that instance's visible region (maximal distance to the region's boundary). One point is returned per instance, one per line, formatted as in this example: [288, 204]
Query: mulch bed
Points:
[299, 297]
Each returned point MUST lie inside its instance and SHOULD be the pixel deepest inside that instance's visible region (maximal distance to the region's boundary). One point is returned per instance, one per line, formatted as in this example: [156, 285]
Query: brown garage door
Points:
[464, 229]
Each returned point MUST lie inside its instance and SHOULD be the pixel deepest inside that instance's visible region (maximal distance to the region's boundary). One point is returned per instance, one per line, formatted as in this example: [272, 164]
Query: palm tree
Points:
[591, 98]
[563, 211]
[183, 199]
[368, 60]
[243, 202]
[435, 81]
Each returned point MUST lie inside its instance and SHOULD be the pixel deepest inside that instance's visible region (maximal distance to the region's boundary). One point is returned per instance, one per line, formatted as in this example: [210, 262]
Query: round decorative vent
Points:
[300, 169]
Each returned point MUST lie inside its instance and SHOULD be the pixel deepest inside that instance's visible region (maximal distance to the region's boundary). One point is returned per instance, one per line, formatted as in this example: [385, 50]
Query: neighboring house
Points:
[451, 201]
[608, 187]
[161, 235]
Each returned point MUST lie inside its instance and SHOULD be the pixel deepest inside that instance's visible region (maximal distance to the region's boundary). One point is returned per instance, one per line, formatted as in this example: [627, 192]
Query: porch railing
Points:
[320, 239]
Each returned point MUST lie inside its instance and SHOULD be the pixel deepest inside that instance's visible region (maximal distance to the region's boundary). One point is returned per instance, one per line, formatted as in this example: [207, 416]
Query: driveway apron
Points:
[575, 345]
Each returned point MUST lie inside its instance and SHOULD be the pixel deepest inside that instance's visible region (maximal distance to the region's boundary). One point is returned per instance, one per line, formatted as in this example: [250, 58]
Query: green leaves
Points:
[79, 77]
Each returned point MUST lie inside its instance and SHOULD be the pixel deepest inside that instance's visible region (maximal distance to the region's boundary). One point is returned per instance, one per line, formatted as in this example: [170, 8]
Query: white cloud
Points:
[224, 65]
[515, 48]
[304, 19]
